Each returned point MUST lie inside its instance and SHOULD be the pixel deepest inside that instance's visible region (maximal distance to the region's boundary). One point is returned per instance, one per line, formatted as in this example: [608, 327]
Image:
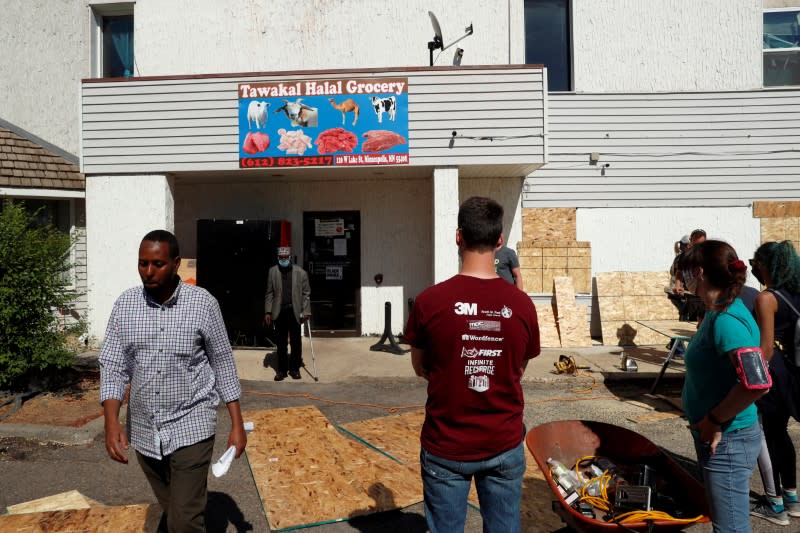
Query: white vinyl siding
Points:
[669, 149]
[191, 124]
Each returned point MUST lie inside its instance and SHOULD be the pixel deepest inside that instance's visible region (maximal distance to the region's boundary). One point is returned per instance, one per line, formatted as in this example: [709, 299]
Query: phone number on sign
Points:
[266, 162]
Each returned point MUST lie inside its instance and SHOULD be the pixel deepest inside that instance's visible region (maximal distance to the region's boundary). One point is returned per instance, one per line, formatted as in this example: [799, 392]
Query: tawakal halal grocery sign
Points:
[323, 123]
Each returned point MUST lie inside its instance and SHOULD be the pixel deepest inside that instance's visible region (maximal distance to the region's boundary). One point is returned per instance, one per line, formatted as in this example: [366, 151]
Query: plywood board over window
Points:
[549, 223]
[543, 259]
[781, 229]
[624, 298]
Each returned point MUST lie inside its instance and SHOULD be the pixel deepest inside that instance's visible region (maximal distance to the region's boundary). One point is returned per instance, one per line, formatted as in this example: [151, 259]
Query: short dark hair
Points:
[480, 220]
[162, 235]
[721, 267]
[697, 233]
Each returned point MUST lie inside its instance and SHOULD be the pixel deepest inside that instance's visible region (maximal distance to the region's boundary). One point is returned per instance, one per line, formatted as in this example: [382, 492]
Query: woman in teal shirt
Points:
[720, 410]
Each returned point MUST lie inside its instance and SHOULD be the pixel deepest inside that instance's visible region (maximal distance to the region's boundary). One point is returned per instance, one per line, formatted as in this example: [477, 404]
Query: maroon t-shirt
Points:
[476, 334]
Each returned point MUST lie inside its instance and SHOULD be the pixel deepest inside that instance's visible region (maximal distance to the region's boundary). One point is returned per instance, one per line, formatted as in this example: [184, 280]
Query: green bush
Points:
[34, 267]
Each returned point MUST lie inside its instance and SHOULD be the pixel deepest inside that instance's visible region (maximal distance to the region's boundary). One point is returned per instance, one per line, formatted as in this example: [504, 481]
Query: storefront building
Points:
[368, 168]
[648, 119]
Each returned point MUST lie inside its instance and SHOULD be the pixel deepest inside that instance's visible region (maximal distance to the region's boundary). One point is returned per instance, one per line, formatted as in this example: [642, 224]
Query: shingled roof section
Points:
[29, 162]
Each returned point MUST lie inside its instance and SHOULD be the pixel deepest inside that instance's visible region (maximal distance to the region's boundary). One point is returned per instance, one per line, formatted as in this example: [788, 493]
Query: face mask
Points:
[283, 262]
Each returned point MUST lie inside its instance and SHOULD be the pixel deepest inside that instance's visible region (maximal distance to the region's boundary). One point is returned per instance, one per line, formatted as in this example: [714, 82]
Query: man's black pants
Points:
[180, 483]
[286, 326]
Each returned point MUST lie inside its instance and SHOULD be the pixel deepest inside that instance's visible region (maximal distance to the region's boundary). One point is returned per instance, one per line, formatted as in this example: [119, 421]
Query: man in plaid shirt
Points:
[168, 341]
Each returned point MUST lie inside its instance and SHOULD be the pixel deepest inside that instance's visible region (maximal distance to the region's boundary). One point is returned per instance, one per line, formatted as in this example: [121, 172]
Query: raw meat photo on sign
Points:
[344, 122]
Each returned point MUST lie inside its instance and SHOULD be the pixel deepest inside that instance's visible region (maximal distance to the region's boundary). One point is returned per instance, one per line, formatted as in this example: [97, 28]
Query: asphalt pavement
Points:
[353, 382]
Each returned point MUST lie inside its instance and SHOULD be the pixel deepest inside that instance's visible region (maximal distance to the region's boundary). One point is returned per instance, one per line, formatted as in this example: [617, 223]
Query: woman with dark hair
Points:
[777, 266]
[720, 409]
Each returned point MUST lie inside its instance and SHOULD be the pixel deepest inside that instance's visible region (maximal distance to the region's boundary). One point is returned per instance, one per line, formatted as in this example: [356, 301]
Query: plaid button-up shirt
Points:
[178, 360]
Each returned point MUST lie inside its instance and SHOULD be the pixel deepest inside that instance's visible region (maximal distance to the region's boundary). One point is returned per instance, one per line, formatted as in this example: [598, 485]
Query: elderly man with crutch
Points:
[287, 304]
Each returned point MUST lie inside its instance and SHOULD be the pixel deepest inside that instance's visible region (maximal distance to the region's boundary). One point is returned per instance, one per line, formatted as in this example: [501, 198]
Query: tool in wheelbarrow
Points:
[608, 478]
[313, 356]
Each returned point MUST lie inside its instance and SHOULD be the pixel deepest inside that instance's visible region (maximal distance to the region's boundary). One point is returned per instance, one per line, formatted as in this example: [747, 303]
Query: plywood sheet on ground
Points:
[573, 327]
[122, 519]
[398, 436]
[58, 502]
[309, 473]
[548, 333]
[625, 297]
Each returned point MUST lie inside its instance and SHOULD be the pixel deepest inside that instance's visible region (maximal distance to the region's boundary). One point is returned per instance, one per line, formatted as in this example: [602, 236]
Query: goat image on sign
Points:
[257, 112]
[299, 114]
[384, 105]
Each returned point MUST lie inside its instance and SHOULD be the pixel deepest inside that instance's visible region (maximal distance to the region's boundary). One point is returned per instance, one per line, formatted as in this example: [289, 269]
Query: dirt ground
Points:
[72, 405]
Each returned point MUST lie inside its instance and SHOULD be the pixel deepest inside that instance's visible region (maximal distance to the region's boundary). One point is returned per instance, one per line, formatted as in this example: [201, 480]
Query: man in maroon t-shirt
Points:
[471, 338]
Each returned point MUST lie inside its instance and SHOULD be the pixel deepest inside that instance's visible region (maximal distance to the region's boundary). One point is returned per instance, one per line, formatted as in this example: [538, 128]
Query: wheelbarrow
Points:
[568, 440]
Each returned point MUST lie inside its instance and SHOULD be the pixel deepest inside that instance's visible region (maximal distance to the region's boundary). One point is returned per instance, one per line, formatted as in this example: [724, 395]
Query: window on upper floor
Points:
[781, 47]
[112, 40]
[548, 40]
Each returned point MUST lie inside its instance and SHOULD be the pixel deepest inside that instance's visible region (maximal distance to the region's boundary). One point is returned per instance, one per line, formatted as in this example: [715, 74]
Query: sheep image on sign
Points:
[257, 114]
[345, 122]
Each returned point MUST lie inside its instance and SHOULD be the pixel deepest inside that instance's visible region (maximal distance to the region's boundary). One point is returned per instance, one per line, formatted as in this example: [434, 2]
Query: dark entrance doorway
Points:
[233, 258]
[332, 258]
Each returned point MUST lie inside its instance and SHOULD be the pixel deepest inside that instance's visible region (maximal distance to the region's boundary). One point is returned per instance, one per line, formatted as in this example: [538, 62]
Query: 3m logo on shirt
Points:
[484, 325]
[480, 352]
[464, 308]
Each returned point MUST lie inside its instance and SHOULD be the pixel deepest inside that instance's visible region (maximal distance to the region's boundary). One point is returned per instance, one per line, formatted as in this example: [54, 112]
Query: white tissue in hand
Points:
[220, 468]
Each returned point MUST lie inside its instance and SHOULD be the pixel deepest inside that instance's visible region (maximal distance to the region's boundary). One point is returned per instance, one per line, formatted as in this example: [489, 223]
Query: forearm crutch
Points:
[313, 356]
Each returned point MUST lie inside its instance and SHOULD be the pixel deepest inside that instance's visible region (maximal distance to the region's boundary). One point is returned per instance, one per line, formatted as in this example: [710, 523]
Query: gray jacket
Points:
[301, 293]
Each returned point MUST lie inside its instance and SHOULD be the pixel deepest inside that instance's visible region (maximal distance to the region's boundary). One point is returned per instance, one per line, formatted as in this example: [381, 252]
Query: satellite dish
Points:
[437, 29]
[438, 41]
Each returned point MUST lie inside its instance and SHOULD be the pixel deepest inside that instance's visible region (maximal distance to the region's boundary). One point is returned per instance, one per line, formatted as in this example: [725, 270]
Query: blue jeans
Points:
[726, 476]
[498, 479]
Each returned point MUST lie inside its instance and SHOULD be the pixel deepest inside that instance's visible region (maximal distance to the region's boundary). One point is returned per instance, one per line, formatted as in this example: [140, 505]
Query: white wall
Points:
[508, 192]
[120, 210]
[257, 35]
[620, 45]
[396, 222]
[643, 239]
[44, 53]
[667, 45]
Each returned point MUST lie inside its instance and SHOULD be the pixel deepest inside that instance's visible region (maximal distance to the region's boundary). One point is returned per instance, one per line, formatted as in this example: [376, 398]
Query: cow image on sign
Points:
[384, 105]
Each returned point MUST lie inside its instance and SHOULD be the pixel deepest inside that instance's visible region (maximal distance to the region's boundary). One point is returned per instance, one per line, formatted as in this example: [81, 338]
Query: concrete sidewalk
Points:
[349, 359]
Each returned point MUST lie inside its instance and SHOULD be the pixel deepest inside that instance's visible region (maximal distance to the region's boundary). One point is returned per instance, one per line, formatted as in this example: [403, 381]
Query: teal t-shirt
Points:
[709, 371]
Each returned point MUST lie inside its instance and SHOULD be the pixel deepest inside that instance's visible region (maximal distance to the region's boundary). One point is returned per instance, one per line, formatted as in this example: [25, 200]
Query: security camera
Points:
[457, 56]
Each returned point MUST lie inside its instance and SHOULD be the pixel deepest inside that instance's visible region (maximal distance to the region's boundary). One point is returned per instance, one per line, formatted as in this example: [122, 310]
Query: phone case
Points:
[752, 370]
